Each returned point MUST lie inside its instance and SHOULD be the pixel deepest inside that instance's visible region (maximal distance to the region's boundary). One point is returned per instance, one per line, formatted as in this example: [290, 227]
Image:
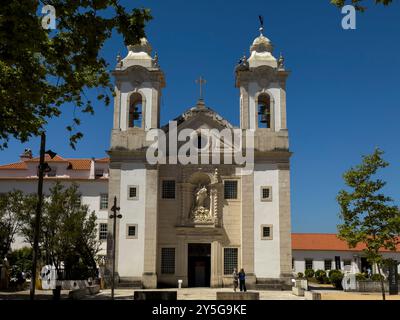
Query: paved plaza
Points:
[202, 294]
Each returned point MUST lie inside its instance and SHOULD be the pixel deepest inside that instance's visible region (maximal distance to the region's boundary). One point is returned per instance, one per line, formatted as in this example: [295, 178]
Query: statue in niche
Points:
[200, 213]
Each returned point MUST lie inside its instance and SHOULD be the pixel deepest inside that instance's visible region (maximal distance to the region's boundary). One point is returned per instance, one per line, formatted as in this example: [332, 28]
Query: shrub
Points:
[300, 275]
[377, 277]
[361, 277]
[309, 273]
[336, 277]
[320, 275]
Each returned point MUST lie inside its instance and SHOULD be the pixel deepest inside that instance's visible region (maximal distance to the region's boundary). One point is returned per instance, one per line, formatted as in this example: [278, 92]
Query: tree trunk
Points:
[382, 282]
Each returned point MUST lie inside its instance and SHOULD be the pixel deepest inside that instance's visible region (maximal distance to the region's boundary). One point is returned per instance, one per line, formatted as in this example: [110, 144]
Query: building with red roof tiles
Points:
[323, 251]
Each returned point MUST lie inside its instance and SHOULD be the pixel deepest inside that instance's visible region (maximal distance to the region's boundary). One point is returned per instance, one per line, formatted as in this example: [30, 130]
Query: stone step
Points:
[125, 284]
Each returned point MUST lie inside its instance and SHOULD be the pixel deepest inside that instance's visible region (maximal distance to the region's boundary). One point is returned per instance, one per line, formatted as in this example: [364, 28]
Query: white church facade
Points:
[196, 222]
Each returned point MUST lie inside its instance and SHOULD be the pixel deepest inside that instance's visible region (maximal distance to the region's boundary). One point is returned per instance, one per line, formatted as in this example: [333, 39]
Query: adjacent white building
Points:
[91, 175]
[319, 251]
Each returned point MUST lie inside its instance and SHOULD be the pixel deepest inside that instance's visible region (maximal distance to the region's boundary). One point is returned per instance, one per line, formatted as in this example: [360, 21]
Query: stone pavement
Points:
[202, 294]
[127, 294]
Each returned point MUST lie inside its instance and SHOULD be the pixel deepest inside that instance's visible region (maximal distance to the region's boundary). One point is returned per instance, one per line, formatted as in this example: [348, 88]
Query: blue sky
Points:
[343, 93]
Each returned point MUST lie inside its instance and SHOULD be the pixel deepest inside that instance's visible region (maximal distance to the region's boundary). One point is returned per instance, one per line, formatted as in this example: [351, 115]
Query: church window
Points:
[133, 193]
[168, 189]
[135, 111]
[266, 232]
[309, 264]
[230, 260]
[103, 231]
[131, 231]
[104, 201]
[231, 189]
[266, 193]
[264, 111]
[168, 260]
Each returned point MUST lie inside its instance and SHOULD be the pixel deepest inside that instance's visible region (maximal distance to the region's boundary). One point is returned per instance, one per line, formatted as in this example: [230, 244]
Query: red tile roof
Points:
[323, 242]
[79, 164]
[47, 158]
[14, 166]
[73, 164]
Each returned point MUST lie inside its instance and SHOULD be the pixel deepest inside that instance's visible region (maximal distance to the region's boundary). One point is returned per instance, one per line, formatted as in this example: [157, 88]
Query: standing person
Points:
[242, 280]
[235, 279]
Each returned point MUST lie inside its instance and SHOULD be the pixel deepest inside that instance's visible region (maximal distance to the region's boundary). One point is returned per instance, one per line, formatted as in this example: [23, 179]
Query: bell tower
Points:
[261, 80]
[138, 85]
[139, 81]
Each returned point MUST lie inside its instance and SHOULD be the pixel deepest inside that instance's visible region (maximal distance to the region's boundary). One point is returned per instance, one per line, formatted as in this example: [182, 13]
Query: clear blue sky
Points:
[343, 93]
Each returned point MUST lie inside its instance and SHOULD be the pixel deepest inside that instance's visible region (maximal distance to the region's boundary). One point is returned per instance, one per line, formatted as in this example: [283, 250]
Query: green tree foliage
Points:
[358, 3]
[309, 273]
[320, 276]
[68, 234]
[369, 217]
[12, 205]
[21, 259]
[336, 277]
[41, 70]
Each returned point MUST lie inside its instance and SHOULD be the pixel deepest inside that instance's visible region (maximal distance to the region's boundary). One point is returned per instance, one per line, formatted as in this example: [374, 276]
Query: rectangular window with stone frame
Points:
[168, 261]
[230, 189]
[266, 194]
[104, 201]
[309, 264]
[328, 265]
[230, 260]
[131, 231]
[103, 230]
[168, 190]
[266, 232]
[133, 193]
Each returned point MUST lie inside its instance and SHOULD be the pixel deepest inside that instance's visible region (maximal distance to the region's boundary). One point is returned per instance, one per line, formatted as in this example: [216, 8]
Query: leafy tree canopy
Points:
[369, 217]
[41, 70]
[68, 232]
[358, 3]
[12, 206]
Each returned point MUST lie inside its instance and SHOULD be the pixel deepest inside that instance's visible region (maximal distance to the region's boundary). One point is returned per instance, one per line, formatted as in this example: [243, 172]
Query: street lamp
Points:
[43, 167]
[114, 216]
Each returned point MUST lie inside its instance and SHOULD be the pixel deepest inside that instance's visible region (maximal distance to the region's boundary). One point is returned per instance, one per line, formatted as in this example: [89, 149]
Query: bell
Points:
[264, 118]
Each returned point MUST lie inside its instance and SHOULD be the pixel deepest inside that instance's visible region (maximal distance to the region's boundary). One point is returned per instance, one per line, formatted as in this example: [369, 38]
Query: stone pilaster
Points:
[247, 256]
[285, 222]
[244, 109]
[216, 264]
[114, 184]
[117, 108]
[150, 236]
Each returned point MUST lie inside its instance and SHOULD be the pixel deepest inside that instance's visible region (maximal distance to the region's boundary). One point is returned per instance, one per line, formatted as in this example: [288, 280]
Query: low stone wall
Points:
[372, 286]
[80, 294]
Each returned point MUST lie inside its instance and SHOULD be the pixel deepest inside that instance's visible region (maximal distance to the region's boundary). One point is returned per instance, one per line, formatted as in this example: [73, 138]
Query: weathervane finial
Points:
[261, 18]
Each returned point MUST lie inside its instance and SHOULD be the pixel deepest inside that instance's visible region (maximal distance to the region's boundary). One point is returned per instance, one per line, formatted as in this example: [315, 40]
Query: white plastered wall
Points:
[266, 252]
[131, 251]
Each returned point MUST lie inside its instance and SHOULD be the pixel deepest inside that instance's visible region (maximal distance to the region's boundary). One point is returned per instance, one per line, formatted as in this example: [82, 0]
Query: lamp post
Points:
[43, 167]
[114, 216]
